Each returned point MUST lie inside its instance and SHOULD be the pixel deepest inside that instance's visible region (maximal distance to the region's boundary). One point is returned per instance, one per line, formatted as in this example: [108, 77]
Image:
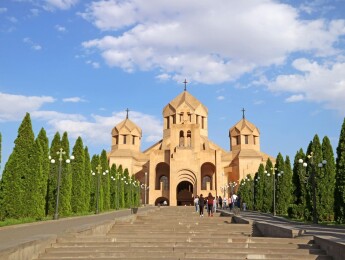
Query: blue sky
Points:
[77, 65]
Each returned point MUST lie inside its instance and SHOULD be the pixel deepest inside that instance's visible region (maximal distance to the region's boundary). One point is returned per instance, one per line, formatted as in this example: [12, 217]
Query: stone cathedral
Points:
[185, 163]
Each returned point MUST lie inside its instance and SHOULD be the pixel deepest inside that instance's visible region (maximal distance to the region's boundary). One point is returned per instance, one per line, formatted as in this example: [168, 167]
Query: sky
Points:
[76, 66]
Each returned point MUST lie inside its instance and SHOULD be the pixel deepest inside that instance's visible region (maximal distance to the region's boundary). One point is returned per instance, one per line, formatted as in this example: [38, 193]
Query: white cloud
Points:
[23, 104]
[220, 97]
[60, 28]
[60, 4]
[97, 130]
[94, 64]
[294, 98]
[231, 39]
[32, 44]
[163, 77]
[323, 83]
[259, 102]
[3, 10]
[34, 12]
[74, 99]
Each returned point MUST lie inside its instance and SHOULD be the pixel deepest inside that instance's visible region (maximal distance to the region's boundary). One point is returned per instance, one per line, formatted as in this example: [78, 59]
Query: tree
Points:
[34, 199]
[94, 179]
[53, 175]
[113, 186]
[0, 148]
[326, 212]
[121, 188]
[15, 172]
[87, 174]
[280, 185]
[105, 181]
[268, 187]
[44, 142]
[66, 179]
[78, 201]
[339, 191]
[259, 188]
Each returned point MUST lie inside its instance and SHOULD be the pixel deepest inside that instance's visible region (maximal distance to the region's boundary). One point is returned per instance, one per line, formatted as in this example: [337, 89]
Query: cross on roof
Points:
[127, 110]
[185, 84]
[243, 116]
[99, 168]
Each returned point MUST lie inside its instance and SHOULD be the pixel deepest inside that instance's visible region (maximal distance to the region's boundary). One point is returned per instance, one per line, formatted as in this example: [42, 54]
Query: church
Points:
[185, 163]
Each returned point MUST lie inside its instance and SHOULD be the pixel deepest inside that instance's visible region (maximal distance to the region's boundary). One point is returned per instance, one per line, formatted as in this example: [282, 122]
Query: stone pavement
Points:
[29, 236]
[179, 233]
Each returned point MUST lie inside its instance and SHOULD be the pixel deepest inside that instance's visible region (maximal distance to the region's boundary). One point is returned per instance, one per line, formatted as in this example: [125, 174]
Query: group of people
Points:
[211, 203]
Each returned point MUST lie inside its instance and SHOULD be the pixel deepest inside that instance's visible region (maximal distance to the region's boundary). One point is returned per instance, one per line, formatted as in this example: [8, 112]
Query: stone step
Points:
[165, 250]
[181, 255]
[182, 244]
[178, 233]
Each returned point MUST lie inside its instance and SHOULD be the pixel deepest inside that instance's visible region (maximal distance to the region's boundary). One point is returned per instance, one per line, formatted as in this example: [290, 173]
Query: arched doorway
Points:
[184, 193]
[160, 201]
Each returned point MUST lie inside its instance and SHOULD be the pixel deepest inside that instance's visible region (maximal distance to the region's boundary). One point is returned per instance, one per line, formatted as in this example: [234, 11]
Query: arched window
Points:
[205, 180]
[165, 181]
[189, 138]
[181, 140]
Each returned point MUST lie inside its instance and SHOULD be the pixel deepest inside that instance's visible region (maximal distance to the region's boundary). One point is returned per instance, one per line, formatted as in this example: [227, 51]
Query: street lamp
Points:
[99, 171]
[274, 186]
[59, 153]
[145, 188]
[313, 181]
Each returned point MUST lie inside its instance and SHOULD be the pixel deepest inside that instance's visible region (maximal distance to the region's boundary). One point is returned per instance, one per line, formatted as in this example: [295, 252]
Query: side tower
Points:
[125, 148]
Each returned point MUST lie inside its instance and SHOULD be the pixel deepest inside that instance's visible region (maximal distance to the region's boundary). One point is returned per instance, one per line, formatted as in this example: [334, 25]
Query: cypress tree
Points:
[259, 188]
[113, 187]
[280, 185]
[93, 186]
[53, 175]
[126, 191]
[121, 188]
[44, 142]
[268, 187]
[34, 199]
[0, 149]
[105, 180]
[287, 178]
[87, 176]
[16, 170]
[78, 201]
[317, 158]
[65, 208]
[339, 191]
[297, 179]
[328, 182]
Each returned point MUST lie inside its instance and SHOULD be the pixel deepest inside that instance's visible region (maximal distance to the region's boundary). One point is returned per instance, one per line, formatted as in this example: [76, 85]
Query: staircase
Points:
[180, 233]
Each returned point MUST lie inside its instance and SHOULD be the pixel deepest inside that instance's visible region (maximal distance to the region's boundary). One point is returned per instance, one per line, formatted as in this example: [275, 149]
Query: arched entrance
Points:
[184, 193]
[160, 201]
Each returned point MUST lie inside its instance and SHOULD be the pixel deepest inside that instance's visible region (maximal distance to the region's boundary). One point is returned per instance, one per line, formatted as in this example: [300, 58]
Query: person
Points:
[165, 203]
[196, 203]
[210, 199]
[233, 201]
[244, 206]
[220, 202]
[201, 205]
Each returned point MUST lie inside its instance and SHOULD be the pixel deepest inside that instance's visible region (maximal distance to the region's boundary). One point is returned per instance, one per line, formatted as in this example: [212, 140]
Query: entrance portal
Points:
[184, 193]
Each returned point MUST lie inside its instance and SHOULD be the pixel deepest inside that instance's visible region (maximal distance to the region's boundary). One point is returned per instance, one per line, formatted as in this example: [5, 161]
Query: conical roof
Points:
[244, 125]
[127, 127]
[184, 98]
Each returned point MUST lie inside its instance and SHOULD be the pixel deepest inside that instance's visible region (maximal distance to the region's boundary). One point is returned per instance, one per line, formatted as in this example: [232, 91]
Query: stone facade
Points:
[185, 162]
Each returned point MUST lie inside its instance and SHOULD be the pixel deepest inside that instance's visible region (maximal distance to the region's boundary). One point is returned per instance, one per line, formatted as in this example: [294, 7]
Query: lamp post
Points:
[274, 186]
[313, 180]
[145, 188]
[99, 171]
[60, 153]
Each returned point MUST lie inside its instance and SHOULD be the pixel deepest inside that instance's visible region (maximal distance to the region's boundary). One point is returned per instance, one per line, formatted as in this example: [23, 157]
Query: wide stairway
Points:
[180, 233]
